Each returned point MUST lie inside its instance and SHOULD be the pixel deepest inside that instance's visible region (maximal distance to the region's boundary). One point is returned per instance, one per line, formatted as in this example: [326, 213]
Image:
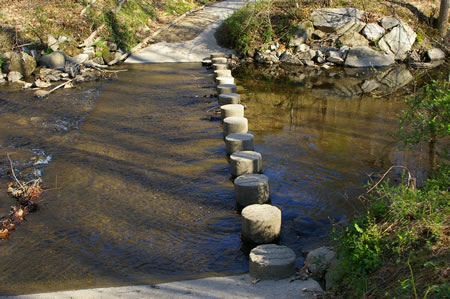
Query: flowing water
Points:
[141, 187]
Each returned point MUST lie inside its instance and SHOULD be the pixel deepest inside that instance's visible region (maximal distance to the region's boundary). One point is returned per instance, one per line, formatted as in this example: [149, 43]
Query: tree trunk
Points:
[443, 18]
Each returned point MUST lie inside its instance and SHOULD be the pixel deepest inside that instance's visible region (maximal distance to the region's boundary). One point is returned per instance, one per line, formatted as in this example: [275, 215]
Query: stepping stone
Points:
[245, 162]
[218, 55]
[229, 98]
[219, 60]
[261, 224]
[226, 88]
[224, 80]
[231, 110]
[220, 66]
[206, 62]
[239, 142]
[234, 124]
[222, 73]
[272, 262]
[250, 189]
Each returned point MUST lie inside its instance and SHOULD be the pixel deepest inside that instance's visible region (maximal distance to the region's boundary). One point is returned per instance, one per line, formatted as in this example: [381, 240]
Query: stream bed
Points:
[141, 191]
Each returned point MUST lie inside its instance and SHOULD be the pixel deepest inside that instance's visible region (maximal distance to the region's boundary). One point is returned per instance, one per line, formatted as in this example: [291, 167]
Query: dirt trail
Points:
[191, 39]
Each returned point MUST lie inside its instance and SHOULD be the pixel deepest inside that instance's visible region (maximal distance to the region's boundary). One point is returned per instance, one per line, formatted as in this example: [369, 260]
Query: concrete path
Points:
[240, 286]
[194, 50]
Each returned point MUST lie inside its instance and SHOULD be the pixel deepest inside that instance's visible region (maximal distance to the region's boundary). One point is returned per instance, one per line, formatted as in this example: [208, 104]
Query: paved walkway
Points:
[240, 286]
[190, 40]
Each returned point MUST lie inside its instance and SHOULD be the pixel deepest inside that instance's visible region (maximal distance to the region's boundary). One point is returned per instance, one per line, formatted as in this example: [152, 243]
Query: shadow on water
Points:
[144, 192]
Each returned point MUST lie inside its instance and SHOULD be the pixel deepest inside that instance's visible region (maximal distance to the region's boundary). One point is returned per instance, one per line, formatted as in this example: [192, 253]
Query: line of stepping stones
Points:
[261, 222]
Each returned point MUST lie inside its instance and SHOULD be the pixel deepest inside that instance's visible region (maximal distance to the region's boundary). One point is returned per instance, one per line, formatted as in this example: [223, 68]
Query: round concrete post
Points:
[250, 189]
[239, 142]
[231, 110]
[229, 98]
[261, 224]
[220, 66]
[206, 62]
[272, 262]
[219, 60]
[245, 162]
[234, 124]
[222, 73]
[224, 80]
[218, 55]
[226, 88]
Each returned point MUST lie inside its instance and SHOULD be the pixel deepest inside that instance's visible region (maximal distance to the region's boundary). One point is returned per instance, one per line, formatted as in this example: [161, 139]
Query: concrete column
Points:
[220, 66]
[250, 189]
[234, 124]
[218, 55]
[239, 142]
[245, 162]
[231, 110]
[222, 73]
[229, 98]
[272, 262]
[261, 224]
[219, 60]
[224, 80]
[226, 88]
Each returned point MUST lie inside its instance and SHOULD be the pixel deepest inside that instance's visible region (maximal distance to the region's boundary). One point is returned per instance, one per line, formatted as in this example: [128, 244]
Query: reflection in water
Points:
[146, 194]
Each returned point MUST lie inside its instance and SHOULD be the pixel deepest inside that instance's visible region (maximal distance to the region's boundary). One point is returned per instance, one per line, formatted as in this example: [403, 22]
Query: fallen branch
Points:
[44, 93]
[411, 179]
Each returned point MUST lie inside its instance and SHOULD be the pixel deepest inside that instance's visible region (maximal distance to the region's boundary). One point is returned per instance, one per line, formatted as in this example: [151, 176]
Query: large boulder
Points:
[398, 41]
[23, 63]
[289, 58]
[366, 57]
[389, 22]
[353, 39]
[373, 31]
[339, 20]
[435, 54]
[55, 60]
[318, 261]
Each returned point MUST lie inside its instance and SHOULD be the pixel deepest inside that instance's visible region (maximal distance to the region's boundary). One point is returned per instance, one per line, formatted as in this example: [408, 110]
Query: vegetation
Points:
[401, 247]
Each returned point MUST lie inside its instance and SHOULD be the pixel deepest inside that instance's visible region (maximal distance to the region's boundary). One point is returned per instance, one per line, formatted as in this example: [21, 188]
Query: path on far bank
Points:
[191, 39]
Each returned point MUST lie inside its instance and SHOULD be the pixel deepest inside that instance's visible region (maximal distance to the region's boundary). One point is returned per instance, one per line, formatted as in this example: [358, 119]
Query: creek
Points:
[141, 185]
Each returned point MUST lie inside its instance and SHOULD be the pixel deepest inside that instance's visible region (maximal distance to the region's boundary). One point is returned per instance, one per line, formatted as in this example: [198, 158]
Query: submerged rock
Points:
[366, 57]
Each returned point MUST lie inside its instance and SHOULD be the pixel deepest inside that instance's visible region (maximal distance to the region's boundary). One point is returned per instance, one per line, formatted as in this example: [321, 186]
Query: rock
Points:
[397, 77]
[14, 77]
[289, 58]
[261, 224]
[80, 58]
[229, 98]
[112, 46]
[344, 51]
[435, 54]
[53, 78]
[301, 35]
[41, 84]
[271, 262]
[52, 43]
[389, 22]
[23, 63]
[309, 62]
[40, 93]
[98, 60]
[318, 261]
[370, 85]
[62, 39]
[239, 142]
[335, 57]
[72, 69]
[373, 31]
[399, 40]
[230, 110]
[2, 79]
[89, 51]
[353, 39]
[107, 55]
[304, 55]
[318, 34]
[251, 189]
[339, 20]
[414, 56]
[426, 65]
[244, 162]
[55, 60]
[303, 48]
[366, 57]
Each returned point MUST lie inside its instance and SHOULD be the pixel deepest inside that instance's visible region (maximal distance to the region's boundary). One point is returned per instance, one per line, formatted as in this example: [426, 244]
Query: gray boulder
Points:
[353, 39]
[399, 41]
[335, 57]
[389, 22]
[22, 63]
[435, 54]
[55, 60]
[373, 31]
[289, 58]
[339, 20]
[318, 261]
[366, 57]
